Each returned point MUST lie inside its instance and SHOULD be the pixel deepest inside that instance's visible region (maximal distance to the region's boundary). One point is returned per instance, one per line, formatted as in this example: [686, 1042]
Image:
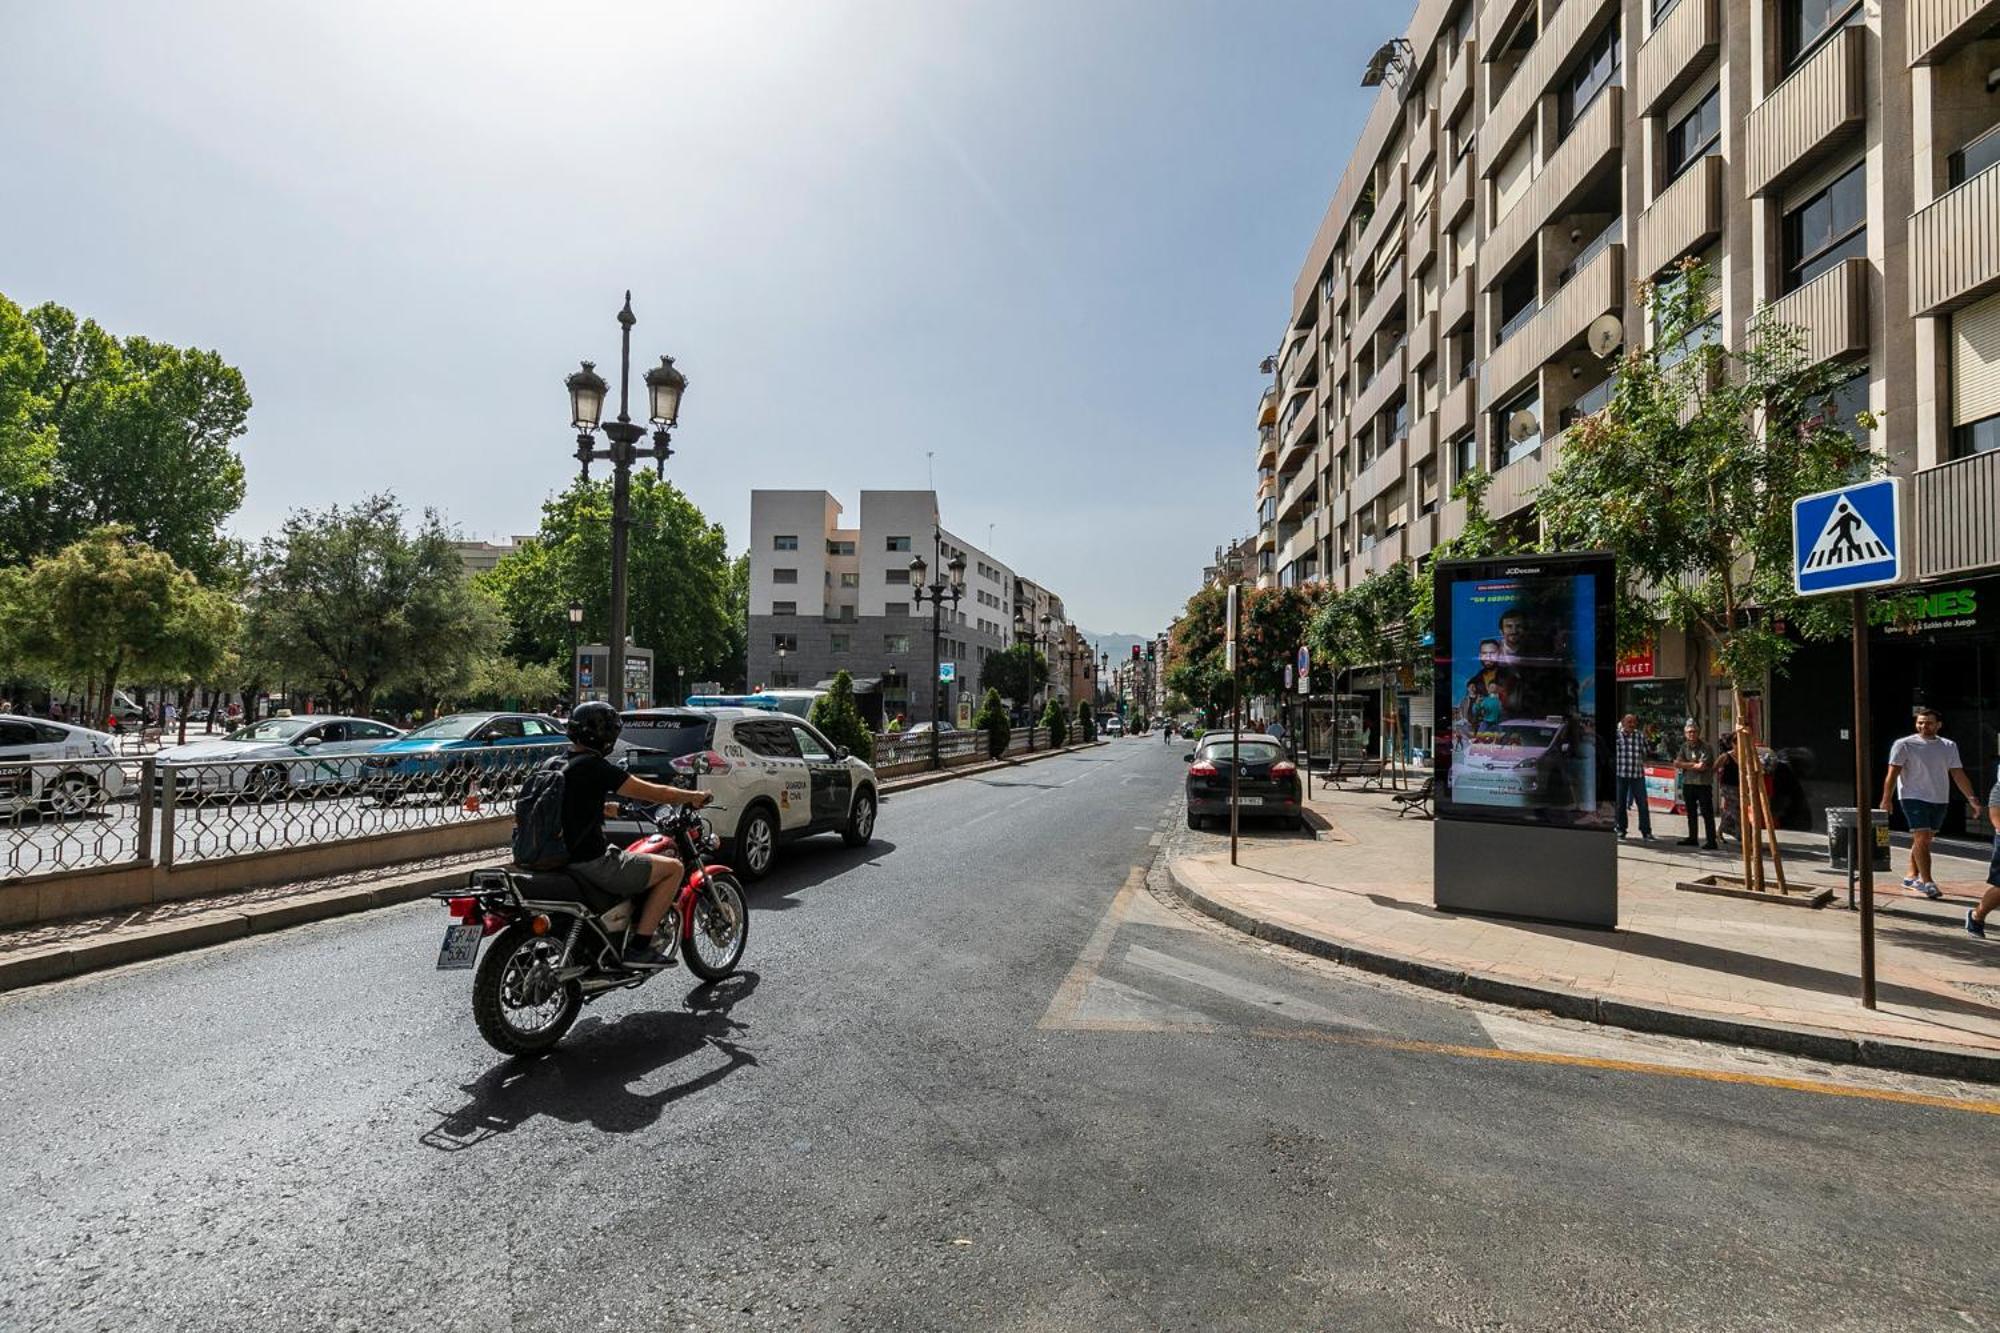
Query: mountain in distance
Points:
[1118, 645]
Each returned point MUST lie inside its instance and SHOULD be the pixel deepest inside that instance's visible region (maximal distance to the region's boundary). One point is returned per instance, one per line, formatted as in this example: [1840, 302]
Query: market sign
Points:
[1637, 664]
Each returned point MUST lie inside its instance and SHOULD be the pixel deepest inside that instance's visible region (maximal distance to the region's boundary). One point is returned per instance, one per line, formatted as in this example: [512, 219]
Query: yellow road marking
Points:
[1825, 1089]
[1069, 995]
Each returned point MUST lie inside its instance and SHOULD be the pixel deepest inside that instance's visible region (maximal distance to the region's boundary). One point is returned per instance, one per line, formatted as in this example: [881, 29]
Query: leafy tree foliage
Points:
[837, 716]
[1374, 623]
[685, 599]
[103, 609]
[27, 441]
[992, 719]
[1275, 624]
[347, 598]
[1056, 719]
[498, 681]
[1018, 673]
[139, 433]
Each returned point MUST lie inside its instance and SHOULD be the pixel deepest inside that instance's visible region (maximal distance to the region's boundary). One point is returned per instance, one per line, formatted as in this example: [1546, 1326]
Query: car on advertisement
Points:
[56, 767]
[1522, 761]
[450, 754]
[275, 756]
[775, 778]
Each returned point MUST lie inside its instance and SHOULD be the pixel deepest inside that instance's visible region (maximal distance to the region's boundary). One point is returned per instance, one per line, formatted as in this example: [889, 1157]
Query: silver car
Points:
[277, 755]
[55, 766]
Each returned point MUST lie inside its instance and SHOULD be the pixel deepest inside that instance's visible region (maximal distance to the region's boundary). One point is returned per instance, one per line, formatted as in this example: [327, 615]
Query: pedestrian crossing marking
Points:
[1846, 539]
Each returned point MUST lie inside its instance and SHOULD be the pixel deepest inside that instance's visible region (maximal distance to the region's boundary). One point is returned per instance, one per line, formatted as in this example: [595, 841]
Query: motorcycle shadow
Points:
[589, 1078]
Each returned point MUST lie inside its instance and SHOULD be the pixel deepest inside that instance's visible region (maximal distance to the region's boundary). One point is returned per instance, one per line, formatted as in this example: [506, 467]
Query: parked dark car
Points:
[1267, 786]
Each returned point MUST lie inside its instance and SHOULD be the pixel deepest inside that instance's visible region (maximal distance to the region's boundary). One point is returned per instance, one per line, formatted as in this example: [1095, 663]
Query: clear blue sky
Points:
[1048, 241]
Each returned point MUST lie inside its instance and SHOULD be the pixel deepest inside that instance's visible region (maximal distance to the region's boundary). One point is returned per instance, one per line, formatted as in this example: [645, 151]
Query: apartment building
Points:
[479, 556]
[1528, 162]
[826, 597]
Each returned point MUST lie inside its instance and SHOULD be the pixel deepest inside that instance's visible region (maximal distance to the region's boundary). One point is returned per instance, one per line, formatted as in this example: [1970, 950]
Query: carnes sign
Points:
[1927, 612]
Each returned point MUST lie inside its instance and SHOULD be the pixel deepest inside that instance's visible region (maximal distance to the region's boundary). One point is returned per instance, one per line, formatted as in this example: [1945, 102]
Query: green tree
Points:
[1056, 719]
[143, 435]
[201, 639]
[27, 441]
[1275, 623]
[839, 719]
[1086, 721]
[100, 610]
[992, 719]
[498, 681]
[1480, 537]
[1018, 673]
[348, 599]
[684, 596]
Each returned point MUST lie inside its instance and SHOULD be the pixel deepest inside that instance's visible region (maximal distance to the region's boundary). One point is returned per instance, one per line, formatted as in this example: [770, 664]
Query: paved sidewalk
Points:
[1767, 974]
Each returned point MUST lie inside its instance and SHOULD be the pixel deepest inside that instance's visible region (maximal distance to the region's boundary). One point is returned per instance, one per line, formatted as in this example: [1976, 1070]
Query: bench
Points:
[1418, 800]
[1341, 770]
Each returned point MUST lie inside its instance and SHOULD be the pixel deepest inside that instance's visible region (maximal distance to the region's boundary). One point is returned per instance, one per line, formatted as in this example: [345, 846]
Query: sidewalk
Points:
[1785, 977]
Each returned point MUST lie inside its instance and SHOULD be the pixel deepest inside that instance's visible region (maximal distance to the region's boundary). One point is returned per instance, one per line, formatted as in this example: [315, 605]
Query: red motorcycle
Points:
[560, 940]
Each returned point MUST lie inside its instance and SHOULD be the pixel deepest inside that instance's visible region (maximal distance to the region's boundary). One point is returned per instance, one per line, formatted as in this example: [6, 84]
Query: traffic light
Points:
[1149, 652]
[1135, 652]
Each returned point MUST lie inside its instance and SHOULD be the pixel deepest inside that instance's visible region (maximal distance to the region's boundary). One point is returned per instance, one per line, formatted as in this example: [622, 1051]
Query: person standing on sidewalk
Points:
[1630, 770]
[1975, 917]
[1697, 769]
[1923, 768]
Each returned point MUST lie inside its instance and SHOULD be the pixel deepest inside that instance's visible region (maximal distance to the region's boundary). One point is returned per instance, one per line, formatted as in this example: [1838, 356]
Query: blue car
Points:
[448, 755]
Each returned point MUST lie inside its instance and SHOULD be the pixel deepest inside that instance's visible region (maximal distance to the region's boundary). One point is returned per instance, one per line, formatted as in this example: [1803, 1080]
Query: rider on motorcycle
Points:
[589, 781]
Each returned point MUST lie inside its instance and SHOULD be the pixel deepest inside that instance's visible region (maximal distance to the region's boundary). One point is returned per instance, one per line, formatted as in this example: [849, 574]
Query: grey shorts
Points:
[616, 872]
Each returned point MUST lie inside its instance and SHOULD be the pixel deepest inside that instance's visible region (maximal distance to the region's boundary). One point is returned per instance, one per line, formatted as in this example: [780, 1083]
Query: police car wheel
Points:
[756, 842]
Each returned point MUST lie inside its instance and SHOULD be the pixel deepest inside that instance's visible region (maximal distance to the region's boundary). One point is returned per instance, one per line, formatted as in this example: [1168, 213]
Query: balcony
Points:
[1561, 321]
[1382, 472]
[1388, 382]
[1955, 246]
[1422, 441]
[1457, 81]
[1567, 30]
[1422, 240]
[1956, 509]
[1514, 485]
[1939, 27]
[1686, 216]
[1388, 209]
[1455, 192]
[1832, 310]
[1592, 145]
[1388, 297]
[1420, 536]
[1297, 501]
[1267, 446]
[1300, 419]
[1267, 537]
[1817, 107]
[1450, 520]
[1496, 20]
[1455, 299]
[1300, 361]
[1423, 342]
[1267, 406]
[1675, 54]
[1456, 410]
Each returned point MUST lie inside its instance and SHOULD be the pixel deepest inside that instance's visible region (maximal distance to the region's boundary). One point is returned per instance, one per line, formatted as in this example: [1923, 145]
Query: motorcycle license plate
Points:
[1249, 800]
[461, 945]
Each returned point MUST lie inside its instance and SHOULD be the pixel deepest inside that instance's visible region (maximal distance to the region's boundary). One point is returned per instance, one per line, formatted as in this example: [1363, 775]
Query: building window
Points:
[895, 644]
[1803, 25]
[784, 643]
[896, 576]
[839, 548]
[895, 608]
[1847, 401]
[1975, 437]
[1975, 157]
[1662, 8]
[1595, 71]
[784, 576]
[1695, 135]
[899, 544]
[1464, 456]
[850, 579]
[1826, 229]
[1518, 301]
[784, 608]
[785, 543]
[837, 642]
[1517, 425]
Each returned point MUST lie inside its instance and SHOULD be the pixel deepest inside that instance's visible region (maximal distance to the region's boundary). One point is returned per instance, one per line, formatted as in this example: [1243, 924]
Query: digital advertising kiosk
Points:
[1525, 691]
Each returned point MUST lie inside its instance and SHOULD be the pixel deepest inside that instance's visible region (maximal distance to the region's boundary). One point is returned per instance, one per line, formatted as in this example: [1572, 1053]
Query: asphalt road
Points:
[979, 1077]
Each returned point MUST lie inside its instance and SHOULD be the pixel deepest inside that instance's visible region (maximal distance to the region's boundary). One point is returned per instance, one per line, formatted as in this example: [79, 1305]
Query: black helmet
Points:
[595, 726]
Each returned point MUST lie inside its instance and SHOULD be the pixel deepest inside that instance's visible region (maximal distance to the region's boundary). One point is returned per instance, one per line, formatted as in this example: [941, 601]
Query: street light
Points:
[575, 662]
[1023, 632]
[949, 587]
[780, 682]
[587, 388]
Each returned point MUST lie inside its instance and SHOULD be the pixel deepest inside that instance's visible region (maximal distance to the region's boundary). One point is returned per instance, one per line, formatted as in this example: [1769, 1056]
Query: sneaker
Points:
[641, 959]
[1929, 890]
[1973, 925]
[1911, 881]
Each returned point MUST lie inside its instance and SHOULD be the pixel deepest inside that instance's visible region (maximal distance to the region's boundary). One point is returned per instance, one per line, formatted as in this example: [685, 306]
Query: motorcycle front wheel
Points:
[520, 1007]
[720, 929]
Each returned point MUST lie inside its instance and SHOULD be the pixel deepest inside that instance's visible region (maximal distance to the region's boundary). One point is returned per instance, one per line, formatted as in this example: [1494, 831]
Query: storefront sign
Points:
[1927, 612]
[1637, 664]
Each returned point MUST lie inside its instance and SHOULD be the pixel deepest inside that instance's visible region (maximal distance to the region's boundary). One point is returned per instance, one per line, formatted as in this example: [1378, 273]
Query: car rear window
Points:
[672, 736]
[1252, 752]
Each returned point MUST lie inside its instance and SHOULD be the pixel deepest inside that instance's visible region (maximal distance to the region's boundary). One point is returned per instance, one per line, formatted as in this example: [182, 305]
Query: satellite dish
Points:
[1605, 334]
[1522, 426]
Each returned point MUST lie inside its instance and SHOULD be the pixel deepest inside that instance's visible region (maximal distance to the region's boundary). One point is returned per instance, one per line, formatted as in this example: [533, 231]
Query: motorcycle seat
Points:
[560, 886]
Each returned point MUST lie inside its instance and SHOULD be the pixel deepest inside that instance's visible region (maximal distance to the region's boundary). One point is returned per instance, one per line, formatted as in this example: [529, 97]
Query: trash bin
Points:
[1841, 822]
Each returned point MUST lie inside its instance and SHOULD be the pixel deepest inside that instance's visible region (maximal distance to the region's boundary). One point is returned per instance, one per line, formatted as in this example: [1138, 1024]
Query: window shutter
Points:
[1975, 362]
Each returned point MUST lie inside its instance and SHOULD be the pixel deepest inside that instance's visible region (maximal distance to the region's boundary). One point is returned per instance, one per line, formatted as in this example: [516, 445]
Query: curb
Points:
[891, 786]
[35, 967]
[1908, 1057]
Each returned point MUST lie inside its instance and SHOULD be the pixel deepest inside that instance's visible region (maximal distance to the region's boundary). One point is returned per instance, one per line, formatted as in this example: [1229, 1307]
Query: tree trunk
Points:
[184, 693]
[1746, 819]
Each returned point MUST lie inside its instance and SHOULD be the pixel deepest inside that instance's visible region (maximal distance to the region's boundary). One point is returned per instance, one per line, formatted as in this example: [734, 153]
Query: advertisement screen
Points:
[1524, 666]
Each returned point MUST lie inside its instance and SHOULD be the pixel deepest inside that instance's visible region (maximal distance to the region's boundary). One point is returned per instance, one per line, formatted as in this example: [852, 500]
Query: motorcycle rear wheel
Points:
[506, 988]
[720, 930]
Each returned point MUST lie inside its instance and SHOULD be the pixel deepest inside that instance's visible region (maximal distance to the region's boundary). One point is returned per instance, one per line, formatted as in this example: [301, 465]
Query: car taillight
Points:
[1201, 768]
[686, 764]
[1284, 768]
[465, 909]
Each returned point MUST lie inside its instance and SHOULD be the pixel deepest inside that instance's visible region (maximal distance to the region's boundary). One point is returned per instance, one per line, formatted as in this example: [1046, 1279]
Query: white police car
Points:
[775, 778]
[56, 767]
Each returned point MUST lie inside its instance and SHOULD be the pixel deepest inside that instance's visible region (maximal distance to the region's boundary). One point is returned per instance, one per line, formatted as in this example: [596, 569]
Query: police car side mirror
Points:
[840, 752]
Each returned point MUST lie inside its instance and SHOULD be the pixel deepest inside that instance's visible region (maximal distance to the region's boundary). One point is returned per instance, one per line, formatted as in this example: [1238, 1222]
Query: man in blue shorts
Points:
[1922, 771]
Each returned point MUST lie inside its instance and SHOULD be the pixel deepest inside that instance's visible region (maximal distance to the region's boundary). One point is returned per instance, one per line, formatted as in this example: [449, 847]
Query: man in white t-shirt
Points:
[1922, 771]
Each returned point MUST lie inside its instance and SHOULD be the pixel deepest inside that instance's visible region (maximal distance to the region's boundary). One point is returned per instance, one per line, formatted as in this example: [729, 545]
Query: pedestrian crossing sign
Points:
[1848, 538]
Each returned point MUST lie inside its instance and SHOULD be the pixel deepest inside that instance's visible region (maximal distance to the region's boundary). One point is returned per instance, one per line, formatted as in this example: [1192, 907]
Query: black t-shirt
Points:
[588, 782]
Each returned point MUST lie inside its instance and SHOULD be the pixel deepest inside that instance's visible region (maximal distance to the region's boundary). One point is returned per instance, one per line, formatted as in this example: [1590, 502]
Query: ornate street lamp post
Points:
[664, 387]
[575, 665]
[1039, 638]
[949, 587]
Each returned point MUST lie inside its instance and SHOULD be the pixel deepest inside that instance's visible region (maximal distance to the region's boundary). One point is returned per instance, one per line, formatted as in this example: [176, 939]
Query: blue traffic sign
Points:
[1848, 538]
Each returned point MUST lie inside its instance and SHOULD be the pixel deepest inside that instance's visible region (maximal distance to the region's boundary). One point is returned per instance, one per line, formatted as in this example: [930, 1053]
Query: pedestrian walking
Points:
[1696, 764]
[1630, 772]
[1975, 917]
[1276, 731]
[1923, 768]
